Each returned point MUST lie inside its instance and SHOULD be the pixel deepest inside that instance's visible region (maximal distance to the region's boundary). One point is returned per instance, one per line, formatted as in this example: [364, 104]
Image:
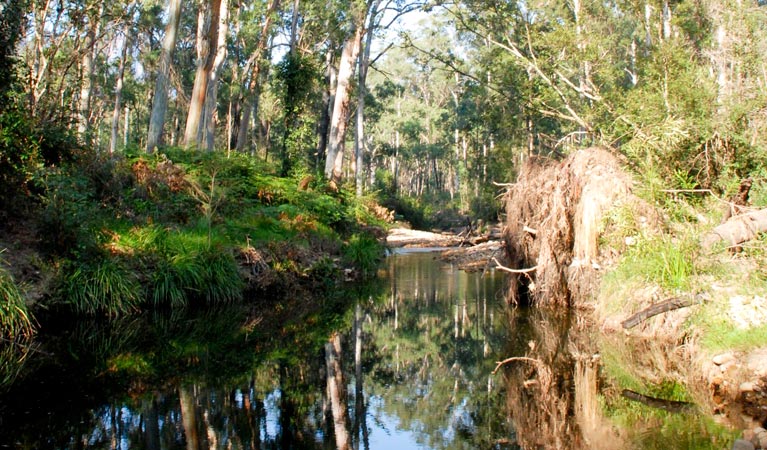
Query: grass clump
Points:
[661, 260]
[103, 287]
[363, 252]
[15, 320]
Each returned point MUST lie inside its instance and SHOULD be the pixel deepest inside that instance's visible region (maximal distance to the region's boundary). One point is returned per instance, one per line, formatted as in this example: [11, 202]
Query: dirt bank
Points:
[559, 215]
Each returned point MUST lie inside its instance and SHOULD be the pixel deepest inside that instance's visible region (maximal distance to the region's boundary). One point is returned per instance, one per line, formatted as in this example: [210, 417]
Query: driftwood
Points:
[737, 230]
[653, 310]
[659, 403]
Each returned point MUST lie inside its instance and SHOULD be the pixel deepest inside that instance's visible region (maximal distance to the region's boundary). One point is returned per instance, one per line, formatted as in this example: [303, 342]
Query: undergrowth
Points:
[170, 229]
[15, 319]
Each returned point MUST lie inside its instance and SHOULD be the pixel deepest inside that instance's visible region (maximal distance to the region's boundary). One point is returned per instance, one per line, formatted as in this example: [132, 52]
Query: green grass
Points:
[363, 252]
[660, 260]
[100, 287]
[14, 317]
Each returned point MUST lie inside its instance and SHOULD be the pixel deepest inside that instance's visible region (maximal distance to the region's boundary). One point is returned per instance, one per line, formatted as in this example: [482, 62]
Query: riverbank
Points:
[582, 234]
[107, 236]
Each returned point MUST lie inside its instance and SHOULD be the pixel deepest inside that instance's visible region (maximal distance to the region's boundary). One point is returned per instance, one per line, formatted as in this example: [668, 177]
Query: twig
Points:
[527, 229]
[25, 346]
[507, 269]
[515, 358]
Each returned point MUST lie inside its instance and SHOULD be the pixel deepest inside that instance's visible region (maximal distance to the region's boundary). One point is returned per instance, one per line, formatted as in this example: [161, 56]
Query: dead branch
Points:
[659, 403]
[653, 310]
[737, 229]
[510, 270]
[527, 229]
[515, 358]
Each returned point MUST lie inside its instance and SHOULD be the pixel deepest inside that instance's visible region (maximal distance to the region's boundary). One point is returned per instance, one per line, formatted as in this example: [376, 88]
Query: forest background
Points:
[424, 120]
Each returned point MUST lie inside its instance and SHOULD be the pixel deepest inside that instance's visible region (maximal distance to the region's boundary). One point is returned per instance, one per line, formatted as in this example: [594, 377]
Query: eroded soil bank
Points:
[572, 222]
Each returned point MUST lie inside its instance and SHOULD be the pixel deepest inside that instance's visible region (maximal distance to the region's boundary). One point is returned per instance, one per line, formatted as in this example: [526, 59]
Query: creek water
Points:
[415, 353]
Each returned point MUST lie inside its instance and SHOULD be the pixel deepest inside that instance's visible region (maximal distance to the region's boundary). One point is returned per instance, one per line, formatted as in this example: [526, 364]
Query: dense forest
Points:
[433, 108]
[140, 113]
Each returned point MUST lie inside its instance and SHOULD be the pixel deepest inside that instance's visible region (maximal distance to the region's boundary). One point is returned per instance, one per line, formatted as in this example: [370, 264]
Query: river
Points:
[407, 361]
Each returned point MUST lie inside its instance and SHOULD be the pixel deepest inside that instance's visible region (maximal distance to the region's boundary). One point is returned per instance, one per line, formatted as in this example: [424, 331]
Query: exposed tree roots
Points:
[554, 213]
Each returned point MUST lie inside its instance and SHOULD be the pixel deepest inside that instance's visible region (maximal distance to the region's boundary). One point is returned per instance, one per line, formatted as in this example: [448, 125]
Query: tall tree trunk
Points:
[337, 391]
[126, 127]
[87, 69]
[328, 97]
[211, 99]
[119, 91]
[160, 100]
[364, 62]
[207, 38]
[254, 63]
[338, 121]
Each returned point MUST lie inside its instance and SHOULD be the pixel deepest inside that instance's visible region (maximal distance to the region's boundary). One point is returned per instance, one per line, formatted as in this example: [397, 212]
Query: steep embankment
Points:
[578, 236]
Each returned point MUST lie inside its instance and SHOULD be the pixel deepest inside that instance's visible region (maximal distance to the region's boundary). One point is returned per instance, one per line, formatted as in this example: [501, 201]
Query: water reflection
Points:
[405, 363]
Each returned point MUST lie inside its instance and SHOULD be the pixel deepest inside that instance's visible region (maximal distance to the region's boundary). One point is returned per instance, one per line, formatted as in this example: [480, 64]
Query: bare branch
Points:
[515, 358]
[510, 270]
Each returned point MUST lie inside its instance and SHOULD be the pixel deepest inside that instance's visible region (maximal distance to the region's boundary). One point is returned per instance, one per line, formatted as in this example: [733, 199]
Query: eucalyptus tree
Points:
[251, 73]
[160, 99]
[212, 19]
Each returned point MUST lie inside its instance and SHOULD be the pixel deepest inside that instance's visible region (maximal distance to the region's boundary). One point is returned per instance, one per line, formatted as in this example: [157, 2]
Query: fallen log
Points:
[653, 310]
[659, 403]
[737, 230]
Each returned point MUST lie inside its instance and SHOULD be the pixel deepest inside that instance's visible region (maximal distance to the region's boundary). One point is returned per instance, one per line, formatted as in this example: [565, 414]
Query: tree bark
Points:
[160, 100]
[207, 37]
[339, 119]
[211, 98]
[254, 63]
[328, 97]
[119, 91]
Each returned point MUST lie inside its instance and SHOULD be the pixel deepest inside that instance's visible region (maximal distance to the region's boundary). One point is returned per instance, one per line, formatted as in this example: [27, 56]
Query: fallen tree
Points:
[737, 230]
[554, 214]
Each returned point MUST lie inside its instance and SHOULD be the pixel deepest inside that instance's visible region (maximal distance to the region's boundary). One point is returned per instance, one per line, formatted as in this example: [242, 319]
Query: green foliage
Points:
[15, 320]
[105, 286]
[659, 260]
[363, 252]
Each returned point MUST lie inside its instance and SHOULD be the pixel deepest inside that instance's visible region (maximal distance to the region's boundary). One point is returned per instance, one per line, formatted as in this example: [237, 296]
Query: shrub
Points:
[14, 317]
[102, 287]
[363, 252]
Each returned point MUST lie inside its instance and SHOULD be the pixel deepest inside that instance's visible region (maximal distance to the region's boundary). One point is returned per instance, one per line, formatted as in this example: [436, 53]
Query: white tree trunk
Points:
[359, 141]
[211, 99]
[119, 91]
[87, 68]
[335, 154]
[160, 101]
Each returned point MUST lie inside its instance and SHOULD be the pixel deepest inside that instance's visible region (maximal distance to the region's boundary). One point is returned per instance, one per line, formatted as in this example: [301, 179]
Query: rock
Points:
[742, 444]
[748, 386]
[723, 358]
[760, 438]
[756, 362]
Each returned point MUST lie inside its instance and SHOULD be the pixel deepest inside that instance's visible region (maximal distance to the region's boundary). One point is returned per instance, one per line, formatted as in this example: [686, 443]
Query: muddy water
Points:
[414, 354]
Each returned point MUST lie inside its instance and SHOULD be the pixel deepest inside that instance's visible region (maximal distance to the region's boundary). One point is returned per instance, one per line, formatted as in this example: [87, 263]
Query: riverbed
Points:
[418, 352]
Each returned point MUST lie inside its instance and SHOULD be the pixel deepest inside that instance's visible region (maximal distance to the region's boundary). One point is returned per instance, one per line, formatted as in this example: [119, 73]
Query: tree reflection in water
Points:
[404, 363]
[552, 384]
